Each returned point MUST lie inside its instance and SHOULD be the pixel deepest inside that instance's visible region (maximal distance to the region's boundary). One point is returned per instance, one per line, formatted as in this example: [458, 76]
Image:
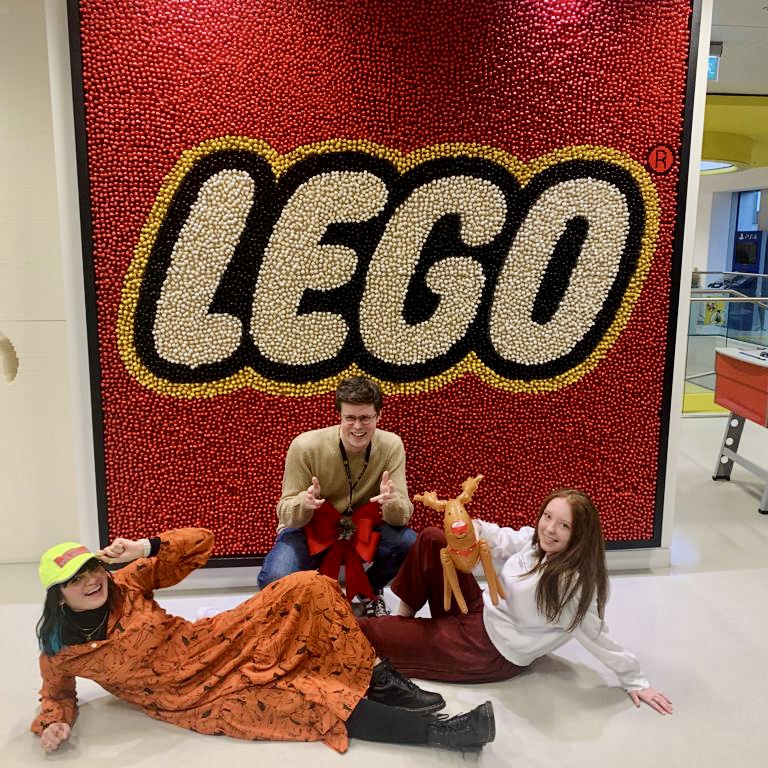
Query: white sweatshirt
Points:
[521, 634]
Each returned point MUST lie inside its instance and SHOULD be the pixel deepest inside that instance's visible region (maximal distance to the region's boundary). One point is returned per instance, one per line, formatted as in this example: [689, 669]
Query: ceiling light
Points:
[717, 166]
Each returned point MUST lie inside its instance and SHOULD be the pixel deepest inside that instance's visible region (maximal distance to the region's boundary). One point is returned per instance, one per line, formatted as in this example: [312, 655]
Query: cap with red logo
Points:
[60, 563]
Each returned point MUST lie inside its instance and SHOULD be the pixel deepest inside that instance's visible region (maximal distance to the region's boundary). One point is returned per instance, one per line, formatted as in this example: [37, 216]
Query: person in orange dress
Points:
[290, 663]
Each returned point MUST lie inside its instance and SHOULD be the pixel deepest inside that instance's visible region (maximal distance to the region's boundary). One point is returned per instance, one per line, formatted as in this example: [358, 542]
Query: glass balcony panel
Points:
[728, 309]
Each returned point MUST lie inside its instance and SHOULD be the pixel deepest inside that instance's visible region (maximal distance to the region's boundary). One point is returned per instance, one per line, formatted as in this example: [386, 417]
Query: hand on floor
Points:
[53, 735]
[652, 698]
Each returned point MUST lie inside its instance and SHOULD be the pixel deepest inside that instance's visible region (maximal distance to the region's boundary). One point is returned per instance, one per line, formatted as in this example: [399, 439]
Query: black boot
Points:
[471, 730]
[389, 687]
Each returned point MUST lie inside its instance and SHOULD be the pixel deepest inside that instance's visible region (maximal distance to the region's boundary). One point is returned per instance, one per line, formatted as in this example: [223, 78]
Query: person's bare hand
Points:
[121, 551]
[386, 490]
[52, 737]
[654, 699]
[312, 500]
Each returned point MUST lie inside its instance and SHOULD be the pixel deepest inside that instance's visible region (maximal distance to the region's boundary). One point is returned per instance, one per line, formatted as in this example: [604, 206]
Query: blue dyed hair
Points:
[49, 627]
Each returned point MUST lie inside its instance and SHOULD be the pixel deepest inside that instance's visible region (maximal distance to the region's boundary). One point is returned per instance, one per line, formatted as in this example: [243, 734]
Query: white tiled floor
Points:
[699, 629]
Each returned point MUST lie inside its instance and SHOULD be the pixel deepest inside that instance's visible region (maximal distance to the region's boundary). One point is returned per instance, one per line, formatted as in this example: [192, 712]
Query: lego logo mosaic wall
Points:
[476, 204]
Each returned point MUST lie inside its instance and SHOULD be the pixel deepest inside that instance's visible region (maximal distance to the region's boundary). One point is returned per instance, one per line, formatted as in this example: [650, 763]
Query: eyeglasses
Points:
[364, 420]
[89, 567]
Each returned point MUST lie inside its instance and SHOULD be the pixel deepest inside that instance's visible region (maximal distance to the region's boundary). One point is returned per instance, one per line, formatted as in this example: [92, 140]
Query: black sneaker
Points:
[470, 730]
[391, 688]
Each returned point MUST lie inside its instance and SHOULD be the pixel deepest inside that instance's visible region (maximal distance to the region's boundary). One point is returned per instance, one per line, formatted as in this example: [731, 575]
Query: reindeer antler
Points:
[430, 499]
[469, 487]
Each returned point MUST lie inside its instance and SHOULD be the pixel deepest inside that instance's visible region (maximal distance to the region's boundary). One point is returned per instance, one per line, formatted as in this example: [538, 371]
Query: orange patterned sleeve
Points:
[181, 551]
[58, 698]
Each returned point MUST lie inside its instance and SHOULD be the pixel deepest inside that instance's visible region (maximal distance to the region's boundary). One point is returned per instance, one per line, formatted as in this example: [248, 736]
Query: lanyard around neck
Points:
[348, 472]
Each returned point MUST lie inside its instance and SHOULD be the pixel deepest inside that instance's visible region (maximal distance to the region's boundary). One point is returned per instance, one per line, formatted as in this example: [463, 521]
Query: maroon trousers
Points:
[451, 646]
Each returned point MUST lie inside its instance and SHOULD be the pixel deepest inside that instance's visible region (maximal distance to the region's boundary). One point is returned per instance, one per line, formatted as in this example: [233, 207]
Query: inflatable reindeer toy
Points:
[464, 548]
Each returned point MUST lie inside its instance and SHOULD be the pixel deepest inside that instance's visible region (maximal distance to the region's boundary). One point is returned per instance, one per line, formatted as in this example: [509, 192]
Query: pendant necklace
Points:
[349, 511]
[88, 632]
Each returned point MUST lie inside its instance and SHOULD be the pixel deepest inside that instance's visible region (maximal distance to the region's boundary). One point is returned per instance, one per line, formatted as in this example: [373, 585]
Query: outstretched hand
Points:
[312, 500]
[386, 490]
[653, 699]
[120, 551]
[53, 735]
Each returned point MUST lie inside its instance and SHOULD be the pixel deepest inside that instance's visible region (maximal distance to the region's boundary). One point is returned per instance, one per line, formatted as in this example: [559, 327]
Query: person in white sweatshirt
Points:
[556, 586]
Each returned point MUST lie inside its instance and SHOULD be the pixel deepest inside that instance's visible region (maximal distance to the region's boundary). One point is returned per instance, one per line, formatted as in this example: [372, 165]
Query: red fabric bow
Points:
[323, 534]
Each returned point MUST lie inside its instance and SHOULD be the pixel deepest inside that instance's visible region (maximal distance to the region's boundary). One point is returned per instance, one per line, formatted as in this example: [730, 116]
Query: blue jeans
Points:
[290, 554]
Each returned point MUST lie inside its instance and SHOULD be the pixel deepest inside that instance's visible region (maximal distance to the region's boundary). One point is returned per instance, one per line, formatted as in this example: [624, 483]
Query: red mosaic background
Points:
[526, 77]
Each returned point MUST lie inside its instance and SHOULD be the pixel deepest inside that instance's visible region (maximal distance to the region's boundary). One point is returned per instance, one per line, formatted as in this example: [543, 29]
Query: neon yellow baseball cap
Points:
[60, 563]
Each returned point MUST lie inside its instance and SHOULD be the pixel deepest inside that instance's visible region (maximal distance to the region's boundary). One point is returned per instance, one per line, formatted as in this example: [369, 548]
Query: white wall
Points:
[720, 239]
[714, 222]
[37, 489]
[702, 237]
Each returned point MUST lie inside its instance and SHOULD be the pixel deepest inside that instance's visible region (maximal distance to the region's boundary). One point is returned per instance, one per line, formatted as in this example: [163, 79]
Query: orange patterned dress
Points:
[290, 663]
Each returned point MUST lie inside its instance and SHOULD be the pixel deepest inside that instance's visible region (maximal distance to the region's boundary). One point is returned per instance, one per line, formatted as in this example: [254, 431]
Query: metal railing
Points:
[732, 296]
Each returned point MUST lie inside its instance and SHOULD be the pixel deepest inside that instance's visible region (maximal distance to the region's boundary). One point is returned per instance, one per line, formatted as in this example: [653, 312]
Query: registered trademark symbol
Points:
[661, 158]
